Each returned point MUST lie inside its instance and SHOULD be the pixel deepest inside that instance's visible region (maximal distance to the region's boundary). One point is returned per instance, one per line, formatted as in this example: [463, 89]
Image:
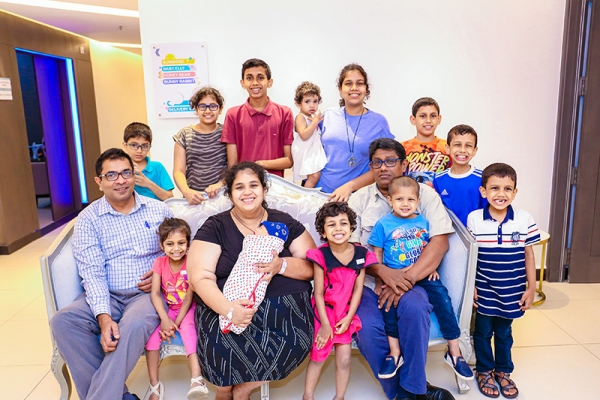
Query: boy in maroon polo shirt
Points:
[259, 130]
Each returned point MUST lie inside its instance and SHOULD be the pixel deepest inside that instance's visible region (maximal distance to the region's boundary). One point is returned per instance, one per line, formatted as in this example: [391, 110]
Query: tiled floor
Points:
[556, 352]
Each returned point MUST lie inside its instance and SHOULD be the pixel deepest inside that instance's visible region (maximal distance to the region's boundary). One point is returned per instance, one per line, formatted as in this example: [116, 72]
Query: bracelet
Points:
[229, 315]
[284, 266]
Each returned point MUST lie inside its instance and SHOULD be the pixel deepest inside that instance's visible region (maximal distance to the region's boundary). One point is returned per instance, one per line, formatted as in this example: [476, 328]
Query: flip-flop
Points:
[485, 380]
[503, 376]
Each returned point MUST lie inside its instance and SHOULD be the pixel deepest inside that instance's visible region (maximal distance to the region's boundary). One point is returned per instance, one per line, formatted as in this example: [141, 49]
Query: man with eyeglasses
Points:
[114, 245]
[388, 160]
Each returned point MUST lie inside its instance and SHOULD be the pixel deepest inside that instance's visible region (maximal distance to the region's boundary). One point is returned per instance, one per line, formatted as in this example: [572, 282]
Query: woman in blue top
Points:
[346, 135]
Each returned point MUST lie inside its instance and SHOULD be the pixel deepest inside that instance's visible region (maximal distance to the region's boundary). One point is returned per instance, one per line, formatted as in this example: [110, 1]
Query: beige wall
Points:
[494, 65]
[120, 95]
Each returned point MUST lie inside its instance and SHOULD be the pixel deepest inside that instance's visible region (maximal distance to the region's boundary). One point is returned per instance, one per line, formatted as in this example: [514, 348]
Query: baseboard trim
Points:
[20, 243]
[24, 241]
[50, 227]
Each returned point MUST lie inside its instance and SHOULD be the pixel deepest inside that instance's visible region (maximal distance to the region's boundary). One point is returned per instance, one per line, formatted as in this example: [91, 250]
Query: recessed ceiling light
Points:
[61, 5]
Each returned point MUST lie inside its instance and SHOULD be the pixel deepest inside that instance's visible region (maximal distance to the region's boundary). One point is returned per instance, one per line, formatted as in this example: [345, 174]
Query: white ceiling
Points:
[101, 27]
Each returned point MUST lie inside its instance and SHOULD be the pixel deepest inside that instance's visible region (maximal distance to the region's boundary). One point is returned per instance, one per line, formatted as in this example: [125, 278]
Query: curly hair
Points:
[333, 209]
[171, 225]
[206, 91]
[306, 89]
[353, 67]
[231, 174]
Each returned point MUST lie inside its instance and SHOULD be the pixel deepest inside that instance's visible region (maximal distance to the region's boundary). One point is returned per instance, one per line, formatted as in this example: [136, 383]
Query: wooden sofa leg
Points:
[61, 373]
[264, 391]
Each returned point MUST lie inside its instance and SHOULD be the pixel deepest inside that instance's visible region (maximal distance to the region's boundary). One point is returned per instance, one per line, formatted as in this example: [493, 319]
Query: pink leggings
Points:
[187, 330]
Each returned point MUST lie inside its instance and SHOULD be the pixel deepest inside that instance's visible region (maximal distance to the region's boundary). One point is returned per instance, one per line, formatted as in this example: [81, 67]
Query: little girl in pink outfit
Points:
[170, 284]
[339, 268]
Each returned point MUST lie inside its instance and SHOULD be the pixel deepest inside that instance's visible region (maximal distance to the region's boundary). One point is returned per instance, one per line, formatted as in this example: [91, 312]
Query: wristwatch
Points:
[283, 266]
[229, 315]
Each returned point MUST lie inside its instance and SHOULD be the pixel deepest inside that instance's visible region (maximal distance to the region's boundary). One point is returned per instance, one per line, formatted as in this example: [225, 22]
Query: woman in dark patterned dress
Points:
[279, 332]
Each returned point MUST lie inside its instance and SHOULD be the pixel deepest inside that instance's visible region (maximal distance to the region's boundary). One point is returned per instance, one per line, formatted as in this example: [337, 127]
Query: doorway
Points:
[53, 136]
[575, 252]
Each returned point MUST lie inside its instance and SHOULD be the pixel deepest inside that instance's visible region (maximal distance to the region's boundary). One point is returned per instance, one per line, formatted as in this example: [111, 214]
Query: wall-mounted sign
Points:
[5, 89]
[179, 69]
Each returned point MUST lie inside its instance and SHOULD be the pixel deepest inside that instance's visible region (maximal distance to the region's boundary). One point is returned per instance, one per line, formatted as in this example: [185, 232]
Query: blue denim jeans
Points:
[501, 329]
[442, 307]
[390, 321]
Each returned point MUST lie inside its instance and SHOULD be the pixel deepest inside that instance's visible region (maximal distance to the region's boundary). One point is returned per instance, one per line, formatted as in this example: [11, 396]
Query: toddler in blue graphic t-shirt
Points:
[398, 240]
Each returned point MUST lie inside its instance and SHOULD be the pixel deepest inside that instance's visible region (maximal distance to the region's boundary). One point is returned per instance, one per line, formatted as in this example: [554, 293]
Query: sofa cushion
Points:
[65, 278]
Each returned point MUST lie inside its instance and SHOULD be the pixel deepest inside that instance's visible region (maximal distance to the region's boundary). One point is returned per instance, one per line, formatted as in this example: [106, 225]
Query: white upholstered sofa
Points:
[62, 282]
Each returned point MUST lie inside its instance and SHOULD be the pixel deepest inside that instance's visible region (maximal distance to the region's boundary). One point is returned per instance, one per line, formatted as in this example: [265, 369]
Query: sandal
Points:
[158, 390]
[199, 392]
[501, 378]
[485, 380]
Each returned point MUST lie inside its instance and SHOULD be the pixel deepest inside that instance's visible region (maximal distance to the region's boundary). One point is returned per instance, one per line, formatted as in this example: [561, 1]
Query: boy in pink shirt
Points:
[259, 130]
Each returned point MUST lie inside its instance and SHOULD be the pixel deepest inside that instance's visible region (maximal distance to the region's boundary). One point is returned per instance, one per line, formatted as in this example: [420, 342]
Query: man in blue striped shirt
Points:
[114, 244]
[505, 280]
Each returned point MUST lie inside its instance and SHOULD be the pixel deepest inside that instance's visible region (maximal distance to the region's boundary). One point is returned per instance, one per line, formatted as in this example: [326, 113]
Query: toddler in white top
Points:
[307, 150]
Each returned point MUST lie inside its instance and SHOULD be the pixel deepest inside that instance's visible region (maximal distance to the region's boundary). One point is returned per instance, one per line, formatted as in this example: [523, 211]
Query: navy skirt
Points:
[270, 348]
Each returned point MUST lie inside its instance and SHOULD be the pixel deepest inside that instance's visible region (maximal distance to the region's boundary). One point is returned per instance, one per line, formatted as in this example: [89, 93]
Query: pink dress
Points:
[338, 286]
[174, 288]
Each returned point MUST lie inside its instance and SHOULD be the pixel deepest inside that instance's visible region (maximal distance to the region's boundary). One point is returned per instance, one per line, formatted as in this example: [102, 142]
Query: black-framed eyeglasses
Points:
[389, 162]
[113, 176]
[211, 106]
[135, 146]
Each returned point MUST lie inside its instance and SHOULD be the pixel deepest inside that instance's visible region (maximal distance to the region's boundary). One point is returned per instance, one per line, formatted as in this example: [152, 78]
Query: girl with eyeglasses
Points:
[200, 158]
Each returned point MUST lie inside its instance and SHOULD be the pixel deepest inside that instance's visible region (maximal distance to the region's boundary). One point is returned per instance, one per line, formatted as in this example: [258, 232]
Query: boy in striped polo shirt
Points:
[505, 280]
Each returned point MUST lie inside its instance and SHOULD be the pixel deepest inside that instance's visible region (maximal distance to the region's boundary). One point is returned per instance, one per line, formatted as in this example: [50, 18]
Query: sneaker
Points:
[459, 366]
[389, 367]
[199, 392]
